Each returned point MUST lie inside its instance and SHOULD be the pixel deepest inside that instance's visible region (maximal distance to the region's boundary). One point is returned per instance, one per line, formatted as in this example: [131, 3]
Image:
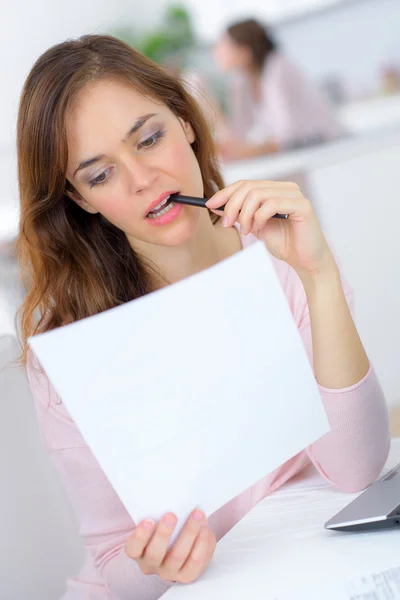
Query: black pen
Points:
[201, 202]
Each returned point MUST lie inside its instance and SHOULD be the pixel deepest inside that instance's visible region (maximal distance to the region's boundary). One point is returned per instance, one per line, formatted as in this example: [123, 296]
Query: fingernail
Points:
[148, 524]
[198, 515]
[169, 520]
[225, 222]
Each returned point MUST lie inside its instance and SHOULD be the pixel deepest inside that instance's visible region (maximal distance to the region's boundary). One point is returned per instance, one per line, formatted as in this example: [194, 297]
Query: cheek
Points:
[224, 56]
[182, 162]
[114, 206]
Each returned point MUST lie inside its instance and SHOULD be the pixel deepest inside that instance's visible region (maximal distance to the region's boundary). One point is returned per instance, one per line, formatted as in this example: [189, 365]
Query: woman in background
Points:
[273, 105]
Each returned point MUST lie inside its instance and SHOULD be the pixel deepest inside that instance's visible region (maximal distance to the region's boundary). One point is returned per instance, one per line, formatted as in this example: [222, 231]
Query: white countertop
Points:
[370, 113]
[279, 166]
[280, 549]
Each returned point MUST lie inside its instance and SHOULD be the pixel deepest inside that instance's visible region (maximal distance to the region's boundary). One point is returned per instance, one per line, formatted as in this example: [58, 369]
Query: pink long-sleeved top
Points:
[291, 109]
[350, 456]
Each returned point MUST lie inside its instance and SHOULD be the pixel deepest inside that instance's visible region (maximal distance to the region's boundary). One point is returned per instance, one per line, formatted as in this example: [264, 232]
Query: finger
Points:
[235, 204]
[199, 557]
[137, 542]
[221, 197]
[298, 209]
[257, 197]
[181, 549]
[156, 549]
[247, 199]
[251, 204]
[220, 213]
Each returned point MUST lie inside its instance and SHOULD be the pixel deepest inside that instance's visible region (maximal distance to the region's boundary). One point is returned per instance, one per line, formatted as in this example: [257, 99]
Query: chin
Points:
[174, 234]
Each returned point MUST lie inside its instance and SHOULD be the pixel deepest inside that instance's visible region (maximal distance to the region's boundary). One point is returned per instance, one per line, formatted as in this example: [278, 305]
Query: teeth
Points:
[162, 212]
[161, 204]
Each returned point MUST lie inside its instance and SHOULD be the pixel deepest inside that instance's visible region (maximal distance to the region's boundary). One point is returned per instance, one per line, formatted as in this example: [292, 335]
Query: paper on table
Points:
[189, 395]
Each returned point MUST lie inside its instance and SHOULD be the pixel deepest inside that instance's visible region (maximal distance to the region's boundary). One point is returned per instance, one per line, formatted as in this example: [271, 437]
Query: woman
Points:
[273, 105]
[104, 136]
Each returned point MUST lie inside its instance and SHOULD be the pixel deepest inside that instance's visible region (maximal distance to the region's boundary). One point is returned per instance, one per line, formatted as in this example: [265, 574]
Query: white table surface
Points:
[368, 113]
[281, 548]
[282, 165]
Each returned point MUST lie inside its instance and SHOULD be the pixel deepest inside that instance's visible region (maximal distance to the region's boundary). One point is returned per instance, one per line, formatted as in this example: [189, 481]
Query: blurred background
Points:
[348, 50]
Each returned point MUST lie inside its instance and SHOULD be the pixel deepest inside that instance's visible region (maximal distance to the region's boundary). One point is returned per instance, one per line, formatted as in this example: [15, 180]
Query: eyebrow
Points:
[138, 124]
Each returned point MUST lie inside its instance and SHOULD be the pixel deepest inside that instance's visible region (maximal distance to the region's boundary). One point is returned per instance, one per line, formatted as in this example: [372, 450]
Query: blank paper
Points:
[191, 394]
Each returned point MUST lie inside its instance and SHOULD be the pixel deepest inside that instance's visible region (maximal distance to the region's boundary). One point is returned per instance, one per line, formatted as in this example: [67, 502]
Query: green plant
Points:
[169, 43]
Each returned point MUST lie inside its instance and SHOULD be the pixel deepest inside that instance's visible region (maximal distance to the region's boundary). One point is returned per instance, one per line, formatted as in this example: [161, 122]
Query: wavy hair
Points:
[75, 264]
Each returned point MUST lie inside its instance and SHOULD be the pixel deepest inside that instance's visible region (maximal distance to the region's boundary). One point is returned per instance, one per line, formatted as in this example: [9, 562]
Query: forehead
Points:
[228, 41]
[105, 109]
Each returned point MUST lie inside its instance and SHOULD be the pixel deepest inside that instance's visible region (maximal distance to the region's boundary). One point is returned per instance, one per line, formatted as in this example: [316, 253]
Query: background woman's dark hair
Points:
[76, 264]
[252, 34]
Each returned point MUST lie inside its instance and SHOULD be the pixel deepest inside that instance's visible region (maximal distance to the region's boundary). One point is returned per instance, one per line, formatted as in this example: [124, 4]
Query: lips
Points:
[160, 202]
[159, 207]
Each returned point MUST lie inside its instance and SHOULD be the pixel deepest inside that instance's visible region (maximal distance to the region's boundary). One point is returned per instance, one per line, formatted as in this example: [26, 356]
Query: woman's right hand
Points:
[185, 560]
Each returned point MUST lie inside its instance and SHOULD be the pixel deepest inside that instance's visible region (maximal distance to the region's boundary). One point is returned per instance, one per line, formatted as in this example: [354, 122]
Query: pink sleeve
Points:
[352, 455]
[104, 523]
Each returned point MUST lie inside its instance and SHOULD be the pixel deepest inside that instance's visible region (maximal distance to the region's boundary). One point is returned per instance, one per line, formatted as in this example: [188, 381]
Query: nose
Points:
[141, 174]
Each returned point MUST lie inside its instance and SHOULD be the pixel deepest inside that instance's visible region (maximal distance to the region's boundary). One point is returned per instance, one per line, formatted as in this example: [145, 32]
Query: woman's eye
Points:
[147, 143]
[102, 178]
[152, 140]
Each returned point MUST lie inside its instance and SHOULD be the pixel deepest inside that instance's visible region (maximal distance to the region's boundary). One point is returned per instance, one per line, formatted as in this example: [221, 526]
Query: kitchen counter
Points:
[376, 112]
[281, 166]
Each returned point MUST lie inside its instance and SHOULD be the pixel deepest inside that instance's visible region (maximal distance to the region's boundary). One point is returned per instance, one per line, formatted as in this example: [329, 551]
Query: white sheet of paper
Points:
[190, 395]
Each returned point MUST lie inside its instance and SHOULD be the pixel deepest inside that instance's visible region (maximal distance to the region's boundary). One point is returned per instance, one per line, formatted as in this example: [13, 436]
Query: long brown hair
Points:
[252, 34]
[76, 264]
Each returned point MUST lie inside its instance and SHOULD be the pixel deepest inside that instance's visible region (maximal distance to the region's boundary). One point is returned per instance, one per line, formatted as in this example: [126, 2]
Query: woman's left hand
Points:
[298, 240]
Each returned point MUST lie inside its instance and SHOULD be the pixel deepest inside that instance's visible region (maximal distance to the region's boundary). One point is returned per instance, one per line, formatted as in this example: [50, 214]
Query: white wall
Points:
[351, 40]
[211, 16]
[357, 203]
[29, 28]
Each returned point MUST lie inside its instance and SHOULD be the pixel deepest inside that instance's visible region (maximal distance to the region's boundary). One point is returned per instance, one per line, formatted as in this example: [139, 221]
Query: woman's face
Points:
[126, 154]
[229, 55]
